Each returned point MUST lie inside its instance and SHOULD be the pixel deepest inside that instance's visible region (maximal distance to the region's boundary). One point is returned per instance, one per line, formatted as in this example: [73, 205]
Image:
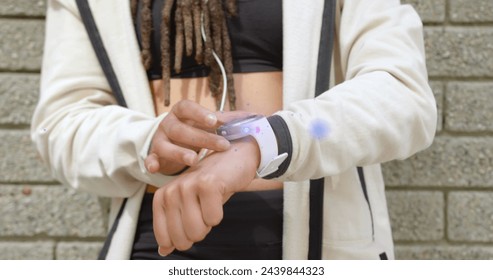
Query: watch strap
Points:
[272, 166]
[262, 131]
[284, 144]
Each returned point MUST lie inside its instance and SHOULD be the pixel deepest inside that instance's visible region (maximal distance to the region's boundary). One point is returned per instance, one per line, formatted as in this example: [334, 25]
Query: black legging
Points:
[251, 229]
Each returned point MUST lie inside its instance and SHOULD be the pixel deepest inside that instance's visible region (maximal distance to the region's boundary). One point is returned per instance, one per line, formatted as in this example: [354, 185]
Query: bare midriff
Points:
[259, 93]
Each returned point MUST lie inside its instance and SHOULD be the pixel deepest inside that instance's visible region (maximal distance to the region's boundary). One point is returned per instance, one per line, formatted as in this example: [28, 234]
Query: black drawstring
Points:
[322, 85]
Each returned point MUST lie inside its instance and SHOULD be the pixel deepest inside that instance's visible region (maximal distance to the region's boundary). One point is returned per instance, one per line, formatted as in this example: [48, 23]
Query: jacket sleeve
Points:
[384, 108]
[87, 141]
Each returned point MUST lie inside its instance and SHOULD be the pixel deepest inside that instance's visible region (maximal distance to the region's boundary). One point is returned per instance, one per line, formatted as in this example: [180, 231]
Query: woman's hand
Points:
[185, 130]
[185, 210]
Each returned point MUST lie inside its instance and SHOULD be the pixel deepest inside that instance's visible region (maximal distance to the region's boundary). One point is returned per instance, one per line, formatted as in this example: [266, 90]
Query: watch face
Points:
[238, 128]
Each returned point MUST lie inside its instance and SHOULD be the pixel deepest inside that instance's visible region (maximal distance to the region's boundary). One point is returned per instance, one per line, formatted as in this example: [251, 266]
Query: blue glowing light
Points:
[319, 129]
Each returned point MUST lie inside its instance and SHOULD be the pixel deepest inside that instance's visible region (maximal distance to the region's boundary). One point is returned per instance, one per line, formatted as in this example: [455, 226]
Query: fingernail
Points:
[211, 119]
[149, 167]
[202, 154]
[160, 253]
[224, 144]
[189, 159]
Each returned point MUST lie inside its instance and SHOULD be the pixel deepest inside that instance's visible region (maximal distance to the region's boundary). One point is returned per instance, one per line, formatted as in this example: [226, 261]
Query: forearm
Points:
[382, 108]
[96, 149]
[264, 185]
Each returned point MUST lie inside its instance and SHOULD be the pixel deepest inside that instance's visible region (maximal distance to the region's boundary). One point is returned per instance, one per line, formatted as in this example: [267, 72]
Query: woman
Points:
[381, 108]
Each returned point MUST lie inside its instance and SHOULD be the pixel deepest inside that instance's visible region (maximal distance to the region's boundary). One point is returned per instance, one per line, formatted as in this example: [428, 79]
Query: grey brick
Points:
[416, 216]
[19, 161]
[449, 162]
[470, 216]
[23, 7]
[443, 252]
[439, 93]
[471, 10]
[21, 44]
[50, 211]
[429, 10]
[469, 107]
[78, 250]
[459, 51]
[30, 250]
[18, 97]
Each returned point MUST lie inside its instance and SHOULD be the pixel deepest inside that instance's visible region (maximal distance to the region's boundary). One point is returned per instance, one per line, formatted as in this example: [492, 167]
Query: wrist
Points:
[248, 149]
[258, 128]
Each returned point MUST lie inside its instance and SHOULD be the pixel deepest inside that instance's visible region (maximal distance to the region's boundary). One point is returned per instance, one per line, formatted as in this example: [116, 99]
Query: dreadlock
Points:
[188, 18]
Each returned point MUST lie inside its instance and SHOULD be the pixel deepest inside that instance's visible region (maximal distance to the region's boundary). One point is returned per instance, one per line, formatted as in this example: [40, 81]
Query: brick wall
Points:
[441, 200]
[39, 219]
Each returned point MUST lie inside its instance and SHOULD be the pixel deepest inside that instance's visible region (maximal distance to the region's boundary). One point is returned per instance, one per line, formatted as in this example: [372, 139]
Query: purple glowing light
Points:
[319, 129]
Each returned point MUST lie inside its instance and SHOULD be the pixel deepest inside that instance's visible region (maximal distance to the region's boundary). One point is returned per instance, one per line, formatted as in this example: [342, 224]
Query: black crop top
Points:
[255, 33]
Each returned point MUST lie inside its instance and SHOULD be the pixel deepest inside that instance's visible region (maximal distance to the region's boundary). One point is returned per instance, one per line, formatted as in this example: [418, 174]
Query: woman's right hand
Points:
[186, 208]
[186, 129]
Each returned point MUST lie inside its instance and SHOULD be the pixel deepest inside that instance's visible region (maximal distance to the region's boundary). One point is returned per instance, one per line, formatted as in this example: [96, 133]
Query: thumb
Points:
[152, 163]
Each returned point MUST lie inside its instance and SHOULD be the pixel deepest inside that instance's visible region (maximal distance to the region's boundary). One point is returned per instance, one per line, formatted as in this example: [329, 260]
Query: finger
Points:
[211, 205]
[173, 153]
[152, 163]
[193, 223]
[177, 233]
[189, 110]
[183, 134]
[224, 117]
[160, 226]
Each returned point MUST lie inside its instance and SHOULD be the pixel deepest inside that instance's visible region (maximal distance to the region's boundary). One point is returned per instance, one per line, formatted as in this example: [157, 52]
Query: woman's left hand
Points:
[186, 129]
[185, 210]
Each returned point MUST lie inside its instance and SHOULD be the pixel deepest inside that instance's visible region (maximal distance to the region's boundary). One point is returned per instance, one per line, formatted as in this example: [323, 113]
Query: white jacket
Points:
[380, 109]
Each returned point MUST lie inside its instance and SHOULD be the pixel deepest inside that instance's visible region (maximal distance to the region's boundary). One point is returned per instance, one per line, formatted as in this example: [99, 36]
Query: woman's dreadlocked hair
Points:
[188, 18]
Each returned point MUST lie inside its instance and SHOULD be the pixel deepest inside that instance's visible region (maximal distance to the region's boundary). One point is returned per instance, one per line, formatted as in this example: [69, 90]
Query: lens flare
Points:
[319, 129]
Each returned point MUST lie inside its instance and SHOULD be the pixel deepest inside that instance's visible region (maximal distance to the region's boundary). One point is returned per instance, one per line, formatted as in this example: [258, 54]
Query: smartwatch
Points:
[260, 129]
